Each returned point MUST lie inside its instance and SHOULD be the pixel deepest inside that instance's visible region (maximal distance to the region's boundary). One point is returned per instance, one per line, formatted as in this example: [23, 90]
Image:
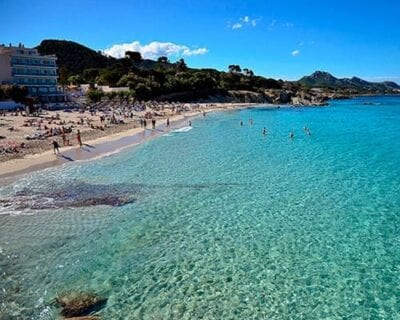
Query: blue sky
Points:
[281, 39]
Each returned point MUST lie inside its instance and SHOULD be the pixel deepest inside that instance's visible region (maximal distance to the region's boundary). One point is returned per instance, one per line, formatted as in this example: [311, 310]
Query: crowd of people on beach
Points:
[59, 126]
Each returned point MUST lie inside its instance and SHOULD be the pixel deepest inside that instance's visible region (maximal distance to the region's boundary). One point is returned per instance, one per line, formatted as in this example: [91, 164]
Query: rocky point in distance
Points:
[163, 80]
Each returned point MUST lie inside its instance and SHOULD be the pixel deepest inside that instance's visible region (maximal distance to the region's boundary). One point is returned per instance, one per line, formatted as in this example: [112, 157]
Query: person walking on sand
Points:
[78, 137]
[153, 123]
[167, 122]
[56, 147]
[64, 139]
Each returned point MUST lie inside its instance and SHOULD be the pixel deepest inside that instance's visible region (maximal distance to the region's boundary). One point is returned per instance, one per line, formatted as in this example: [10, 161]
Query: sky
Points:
[280, 39]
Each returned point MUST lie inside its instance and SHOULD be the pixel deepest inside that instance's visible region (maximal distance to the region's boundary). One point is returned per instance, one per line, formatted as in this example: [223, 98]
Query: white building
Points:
[26, 67]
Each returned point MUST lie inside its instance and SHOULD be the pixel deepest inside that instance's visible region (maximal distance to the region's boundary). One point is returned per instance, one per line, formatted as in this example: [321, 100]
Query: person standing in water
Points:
[241, 123]
[78, 137]
[190, 123]
[264, 131]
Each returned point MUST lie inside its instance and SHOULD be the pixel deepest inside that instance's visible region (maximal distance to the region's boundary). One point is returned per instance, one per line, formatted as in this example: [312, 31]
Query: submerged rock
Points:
[79, 304]
[73, 195]
[84, 318]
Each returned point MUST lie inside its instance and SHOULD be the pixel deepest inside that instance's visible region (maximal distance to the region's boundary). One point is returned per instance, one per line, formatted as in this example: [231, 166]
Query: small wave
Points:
[184, 129]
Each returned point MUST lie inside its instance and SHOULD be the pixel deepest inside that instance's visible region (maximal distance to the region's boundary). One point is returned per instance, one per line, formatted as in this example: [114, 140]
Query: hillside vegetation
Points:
[166, 80]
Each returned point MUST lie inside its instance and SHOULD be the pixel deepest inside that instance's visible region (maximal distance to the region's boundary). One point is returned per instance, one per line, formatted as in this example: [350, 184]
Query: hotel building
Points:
[26, 67]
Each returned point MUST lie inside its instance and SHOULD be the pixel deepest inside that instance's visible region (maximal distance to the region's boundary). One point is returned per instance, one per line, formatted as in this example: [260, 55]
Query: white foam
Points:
[184, 129]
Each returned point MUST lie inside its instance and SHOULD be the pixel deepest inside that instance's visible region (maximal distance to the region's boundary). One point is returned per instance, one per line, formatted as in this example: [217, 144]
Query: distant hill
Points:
[73, 56]
[164, 80]
[321, 79]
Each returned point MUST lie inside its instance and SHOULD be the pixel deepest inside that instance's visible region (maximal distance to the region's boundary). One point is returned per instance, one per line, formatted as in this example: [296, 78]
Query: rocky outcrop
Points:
[310, 99]
[79, 304]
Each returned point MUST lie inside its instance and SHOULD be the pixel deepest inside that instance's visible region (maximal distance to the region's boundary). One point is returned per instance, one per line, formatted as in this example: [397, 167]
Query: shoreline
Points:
[92, 149]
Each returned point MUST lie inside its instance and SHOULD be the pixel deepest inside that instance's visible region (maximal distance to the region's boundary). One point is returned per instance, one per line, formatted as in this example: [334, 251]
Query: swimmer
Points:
[264, 131]
[241, 123]
[291, 135]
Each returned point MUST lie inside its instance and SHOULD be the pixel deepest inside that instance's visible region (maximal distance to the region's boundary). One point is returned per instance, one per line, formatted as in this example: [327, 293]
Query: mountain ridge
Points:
[323, 79]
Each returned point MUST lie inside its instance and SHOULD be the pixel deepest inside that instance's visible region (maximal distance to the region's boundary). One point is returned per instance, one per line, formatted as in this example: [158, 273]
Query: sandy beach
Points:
[27, 143]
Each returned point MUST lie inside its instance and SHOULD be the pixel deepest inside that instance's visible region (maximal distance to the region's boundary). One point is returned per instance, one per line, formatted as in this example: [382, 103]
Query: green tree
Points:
[234, 68]
[63, 76]
[15, 93]
[248, 72]
[95, 95]
[163, 59]
[135, 56]
[109, 77]
[181, 65]
[142, 91]
[76, 80]
[90, 75]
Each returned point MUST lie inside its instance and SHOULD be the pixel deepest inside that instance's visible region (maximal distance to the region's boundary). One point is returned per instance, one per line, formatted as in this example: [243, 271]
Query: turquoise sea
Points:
[219, 222]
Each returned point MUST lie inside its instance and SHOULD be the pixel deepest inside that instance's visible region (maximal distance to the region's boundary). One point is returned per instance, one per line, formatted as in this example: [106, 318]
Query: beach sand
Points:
[38, 154]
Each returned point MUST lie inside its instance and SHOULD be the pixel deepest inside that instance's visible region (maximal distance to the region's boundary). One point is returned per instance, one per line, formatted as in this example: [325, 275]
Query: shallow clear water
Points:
[225, 223]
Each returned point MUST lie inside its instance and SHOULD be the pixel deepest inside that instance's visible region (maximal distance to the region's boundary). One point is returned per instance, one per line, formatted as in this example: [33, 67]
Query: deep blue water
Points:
[226, 223]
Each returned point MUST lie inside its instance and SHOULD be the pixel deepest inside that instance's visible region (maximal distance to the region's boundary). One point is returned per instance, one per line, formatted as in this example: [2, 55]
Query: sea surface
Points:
[218, 222]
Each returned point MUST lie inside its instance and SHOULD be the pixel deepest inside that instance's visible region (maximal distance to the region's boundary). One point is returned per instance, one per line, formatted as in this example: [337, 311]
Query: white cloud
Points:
[245, 21]
[272, 24]
[153, 49]
[295, 53]
[279, 24]
[237, 26]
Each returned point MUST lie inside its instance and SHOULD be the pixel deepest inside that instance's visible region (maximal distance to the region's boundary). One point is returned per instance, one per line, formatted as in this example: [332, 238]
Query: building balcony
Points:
[35, 65]
[30, 75]
[28, 85]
